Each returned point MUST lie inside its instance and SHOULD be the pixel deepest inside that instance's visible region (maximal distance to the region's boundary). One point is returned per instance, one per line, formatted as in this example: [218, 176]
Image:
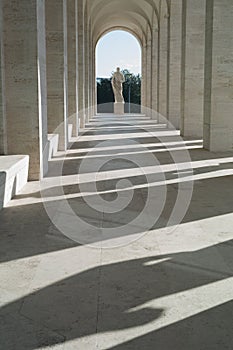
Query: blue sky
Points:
[117, 48]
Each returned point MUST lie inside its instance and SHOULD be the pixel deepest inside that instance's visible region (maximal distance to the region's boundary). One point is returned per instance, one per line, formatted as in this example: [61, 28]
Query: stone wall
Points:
[218, 107]
[25, 104]
[3, 148]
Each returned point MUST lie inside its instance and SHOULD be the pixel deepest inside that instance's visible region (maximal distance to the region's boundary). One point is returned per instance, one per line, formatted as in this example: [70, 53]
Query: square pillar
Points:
[149, 72]
[143, 82]
[81, 68]
[3, 140]
[86, 66]
[57, 70]
[24, 53]
[163, 60]
[72, 73]
[154, 67]
[218, 104]
[193, 49]
[175, 63]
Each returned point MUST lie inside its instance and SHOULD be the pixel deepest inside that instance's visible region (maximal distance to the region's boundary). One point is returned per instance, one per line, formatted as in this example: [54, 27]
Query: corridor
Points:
[125, 244]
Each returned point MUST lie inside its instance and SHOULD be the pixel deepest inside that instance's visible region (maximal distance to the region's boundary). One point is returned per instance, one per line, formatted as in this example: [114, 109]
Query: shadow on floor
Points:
[102, 300]
[27, 230]
[209, 330]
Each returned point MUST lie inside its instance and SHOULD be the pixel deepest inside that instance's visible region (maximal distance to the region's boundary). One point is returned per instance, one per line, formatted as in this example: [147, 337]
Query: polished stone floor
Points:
[127, 244]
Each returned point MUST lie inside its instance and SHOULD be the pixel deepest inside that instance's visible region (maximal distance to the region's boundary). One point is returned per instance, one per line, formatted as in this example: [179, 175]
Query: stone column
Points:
[175, 63]
[72, 74]
[193, 47]
[86, 67]
[218, 103]
[3, 137]
[91, 80]
[154, 63]
[88, 73]
[77, 60]
[94, 93]
[25, 81]
[163, 67]
[81, 64]
[57, 72]
[143, 92]
[149, 70]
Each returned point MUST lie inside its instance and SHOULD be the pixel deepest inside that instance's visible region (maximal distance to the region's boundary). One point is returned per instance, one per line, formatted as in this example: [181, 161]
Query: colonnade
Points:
[47, 53]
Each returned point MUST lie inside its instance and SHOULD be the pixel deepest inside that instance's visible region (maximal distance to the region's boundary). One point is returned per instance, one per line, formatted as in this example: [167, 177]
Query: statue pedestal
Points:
[119, 108]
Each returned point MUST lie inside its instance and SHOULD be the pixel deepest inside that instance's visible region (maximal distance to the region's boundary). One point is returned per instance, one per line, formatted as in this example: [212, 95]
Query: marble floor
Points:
[127, 244]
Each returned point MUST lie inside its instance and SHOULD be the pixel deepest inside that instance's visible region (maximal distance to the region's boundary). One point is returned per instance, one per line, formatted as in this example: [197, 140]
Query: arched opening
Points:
[118, 48]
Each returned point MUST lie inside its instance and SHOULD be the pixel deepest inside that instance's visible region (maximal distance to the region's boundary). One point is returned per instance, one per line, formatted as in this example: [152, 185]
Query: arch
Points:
[137, 17]
[126, 30]
[127, 15]
[131, 7]
[115, 28]
[132, 28]
[131, 13]
[103, 3]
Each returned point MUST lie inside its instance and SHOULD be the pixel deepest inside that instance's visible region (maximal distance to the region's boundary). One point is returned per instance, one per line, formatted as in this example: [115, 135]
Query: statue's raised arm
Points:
[117, 80]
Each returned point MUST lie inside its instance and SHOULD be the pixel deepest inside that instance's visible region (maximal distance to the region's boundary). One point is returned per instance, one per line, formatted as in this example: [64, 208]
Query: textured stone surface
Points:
[53, 140]
[169, 289]
[163, 67]
[119, 108]
[175, 64]
[24, 50]
[57, 71]
[13, 177]
[3, 140]
[175, 56]
[72, 73]
[193, 69]
[218, 121]
[155, 70]
[81, 69]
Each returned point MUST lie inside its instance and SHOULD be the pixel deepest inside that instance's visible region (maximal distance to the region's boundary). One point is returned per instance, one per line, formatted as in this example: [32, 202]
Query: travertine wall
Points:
[86, 64]
[163, 66]
[72, 73]
[57, 70]
[218, 108]
[143, 82]
[175, 63]
[154, 63]
[193, 69]
[149, 69]
[81, 70]
[187, 61]
[3, 141]
[42, 87]
[24, 50]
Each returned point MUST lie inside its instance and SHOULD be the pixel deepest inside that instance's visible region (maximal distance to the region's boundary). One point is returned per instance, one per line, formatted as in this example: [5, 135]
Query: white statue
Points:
[117, 80]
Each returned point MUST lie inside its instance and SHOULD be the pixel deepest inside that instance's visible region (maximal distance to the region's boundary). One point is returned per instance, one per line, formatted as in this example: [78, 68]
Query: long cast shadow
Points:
[102, 299]
[208, 330]
[27, 230]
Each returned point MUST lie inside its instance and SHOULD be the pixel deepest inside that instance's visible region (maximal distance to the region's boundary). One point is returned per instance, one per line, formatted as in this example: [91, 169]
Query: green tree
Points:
[132, 88]
[105, 96]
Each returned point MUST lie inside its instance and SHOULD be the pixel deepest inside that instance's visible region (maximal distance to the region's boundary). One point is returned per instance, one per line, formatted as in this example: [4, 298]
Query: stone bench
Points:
[13, 176]
[53, 140]
[70, 131]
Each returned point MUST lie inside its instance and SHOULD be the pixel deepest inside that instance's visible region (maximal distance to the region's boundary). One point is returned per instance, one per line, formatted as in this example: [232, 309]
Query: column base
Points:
[119, 108]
